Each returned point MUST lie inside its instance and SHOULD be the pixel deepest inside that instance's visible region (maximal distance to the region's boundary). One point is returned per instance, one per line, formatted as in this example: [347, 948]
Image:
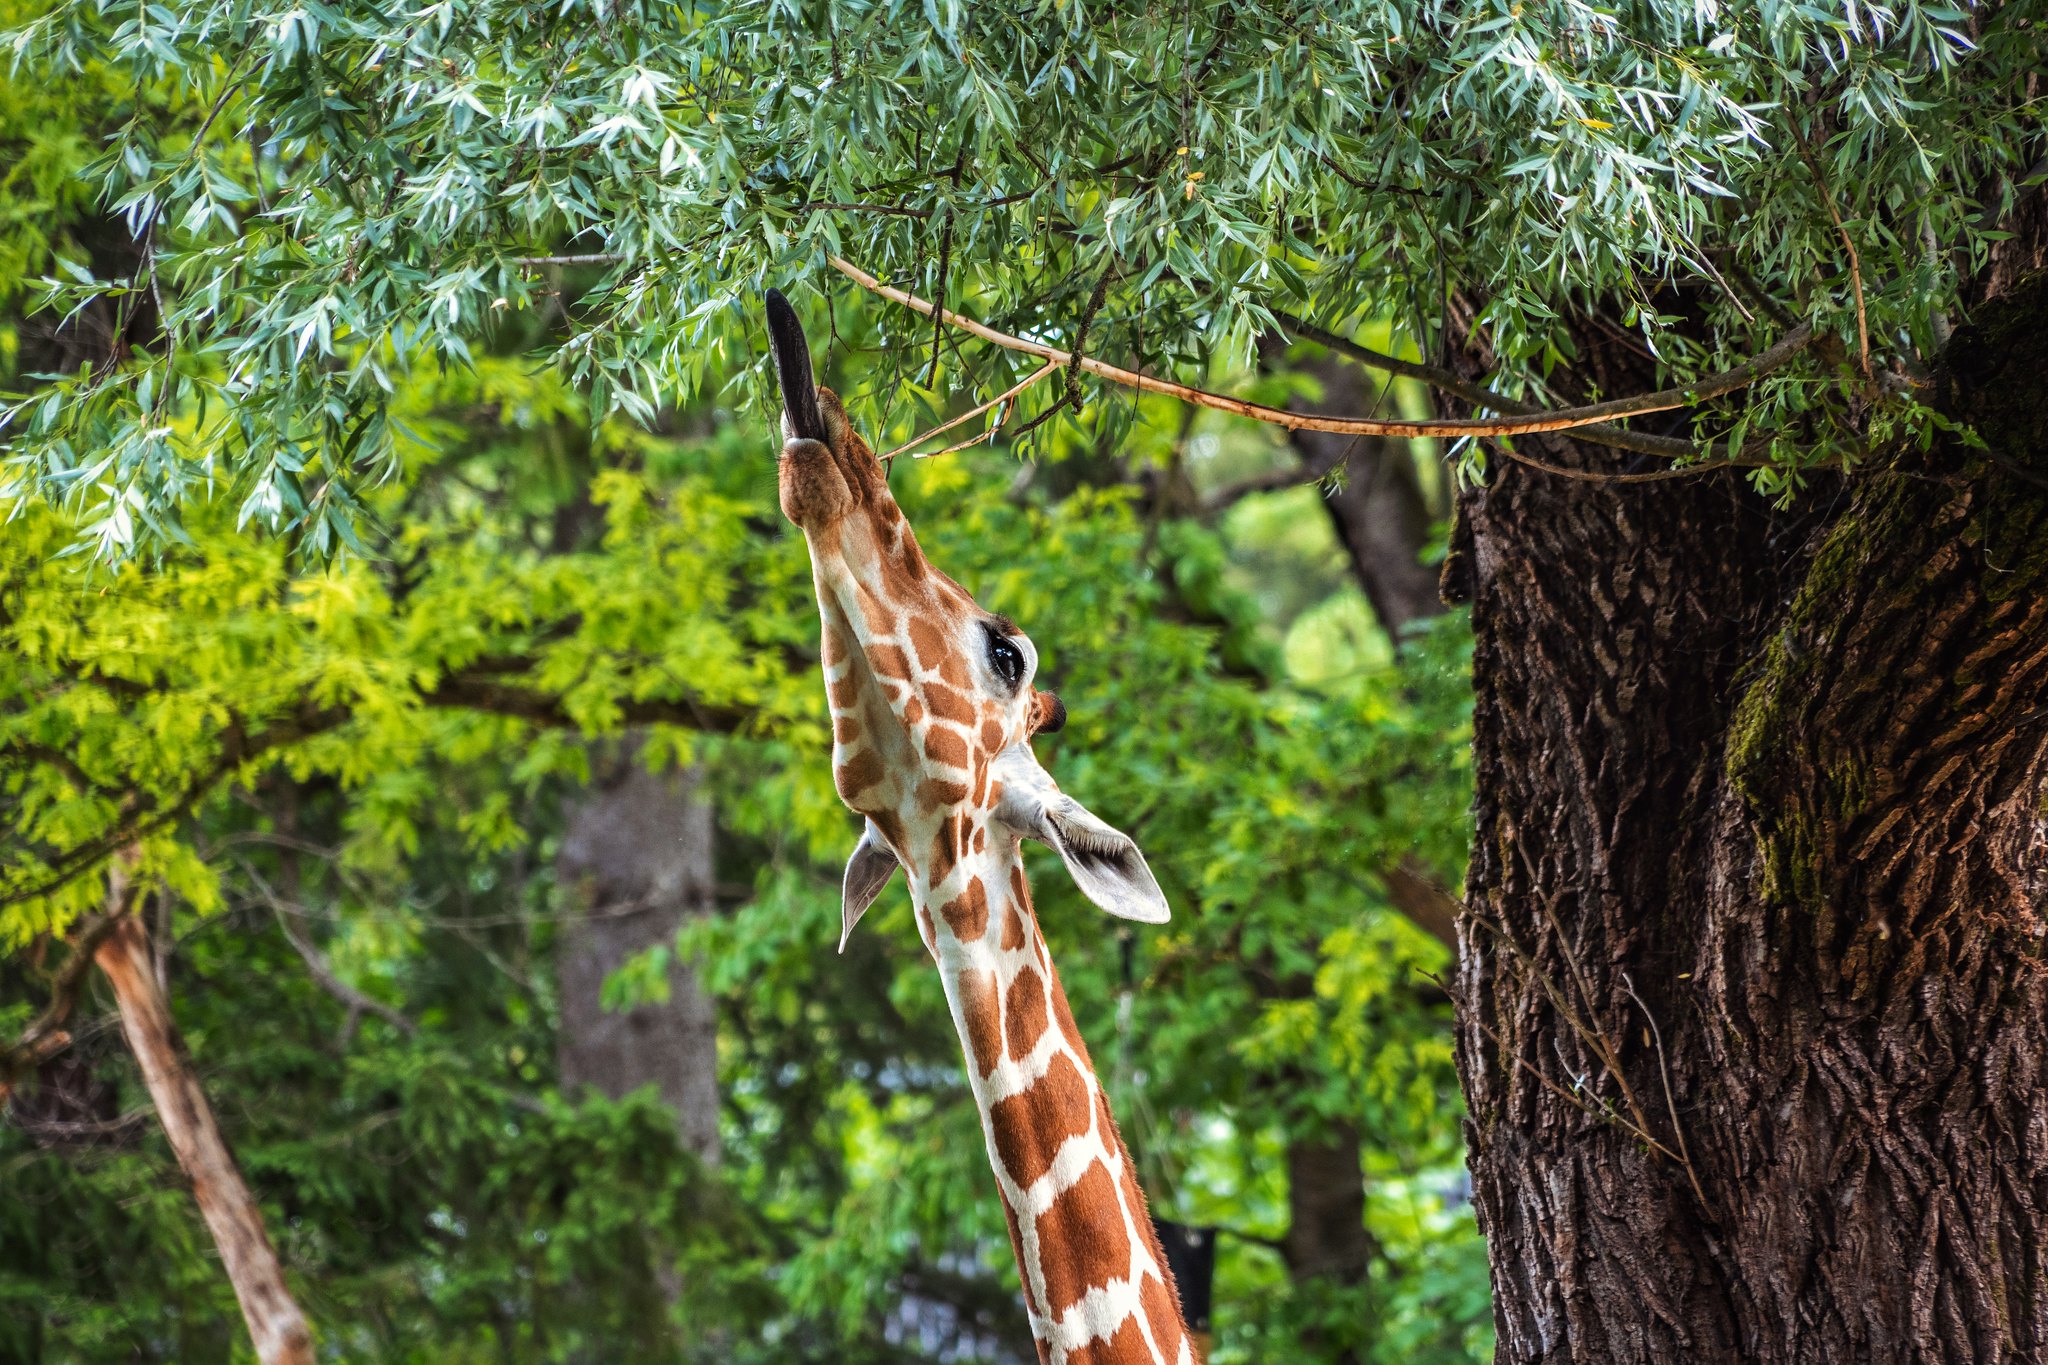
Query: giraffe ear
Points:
[867, 872]
[1103, 861]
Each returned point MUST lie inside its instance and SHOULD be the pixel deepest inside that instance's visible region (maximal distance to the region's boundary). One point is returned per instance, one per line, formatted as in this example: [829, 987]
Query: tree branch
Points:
[324, 973]
[276, 1325]
[1617, 438]
[476, 691]
[972, 413]
[1564, 419]
[46, 1036]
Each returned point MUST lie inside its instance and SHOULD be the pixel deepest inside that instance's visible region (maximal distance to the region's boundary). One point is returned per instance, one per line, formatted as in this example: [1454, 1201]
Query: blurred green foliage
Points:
[431, 1195]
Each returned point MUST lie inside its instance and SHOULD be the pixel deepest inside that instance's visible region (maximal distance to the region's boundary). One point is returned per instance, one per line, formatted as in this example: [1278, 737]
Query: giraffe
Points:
[934, 708]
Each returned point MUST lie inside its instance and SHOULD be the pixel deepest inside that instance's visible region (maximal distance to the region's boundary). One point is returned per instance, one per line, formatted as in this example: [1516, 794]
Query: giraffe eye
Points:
[1006, 659]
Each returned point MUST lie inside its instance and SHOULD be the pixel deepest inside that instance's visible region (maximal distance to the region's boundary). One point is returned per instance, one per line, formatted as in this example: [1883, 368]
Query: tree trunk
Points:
[232, 1215]
[637, 857]
[1753, 1012]
[1326, 1234]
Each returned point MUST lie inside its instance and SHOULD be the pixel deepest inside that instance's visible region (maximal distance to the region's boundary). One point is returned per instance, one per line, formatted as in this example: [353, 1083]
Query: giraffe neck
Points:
[1095, 1281]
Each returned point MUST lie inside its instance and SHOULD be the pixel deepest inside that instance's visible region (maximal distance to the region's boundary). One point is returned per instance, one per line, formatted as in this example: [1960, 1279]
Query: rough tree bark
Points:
[232, 1215]
[1753, 1011]
[637, 857]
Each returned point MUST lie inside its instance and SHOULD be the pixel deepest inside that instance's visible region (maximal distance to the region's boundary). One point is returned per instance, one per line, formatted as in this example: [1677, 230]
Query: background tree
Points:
[1748, 986]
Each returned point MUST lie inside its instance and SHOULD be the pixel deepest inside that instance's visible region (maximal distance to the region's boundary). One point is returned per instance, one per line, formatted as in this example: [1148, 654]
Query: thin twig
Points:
[1455, 385]
[1597, 1039]
[323, 971]
[971, 414]
[1566, 419]
[1603, 1051]
[1827, 198]
[1670, 1102]
[1577, 1102]
[1072, 395]
[931, 380]
[1649, 476]
[1669, 447]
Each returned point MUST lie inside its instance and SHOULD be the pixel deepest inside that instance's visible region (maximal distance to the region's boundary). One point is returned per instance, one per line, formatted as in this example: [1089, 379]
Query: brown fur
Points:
[1030, 1127]
[967, 913]
[984, 1024]
[1073, 1261]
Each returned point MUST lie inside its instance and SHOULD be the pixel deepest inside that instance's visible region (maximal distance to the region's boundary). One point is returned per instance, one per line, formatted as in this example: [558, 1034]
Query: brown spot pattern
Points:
[857, 774]
[945, 847]
[1072, 1255]
[913, 711]
[1060, 1011]
[834, 647]
[1024, 1013]
[844, 692]
[880, 620]
[949, 704]
[1017, 1247]
[942, 745]
[1030, 1127]
[889, 661]
[1161, 1306]
[978, 1002]
[845, 730]
[926, 640]
[967, 913]
[937, 794]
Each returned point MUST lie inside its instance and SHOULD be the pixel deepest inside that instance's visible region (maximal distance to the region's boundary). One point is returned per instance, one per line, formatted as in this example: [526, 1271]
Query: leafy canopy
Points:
[328, 195]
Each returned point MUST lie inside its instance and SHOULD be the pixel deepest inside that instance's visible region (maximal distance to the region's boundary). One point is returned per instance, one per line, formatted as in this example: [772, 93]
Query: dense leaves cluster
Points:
[329, 195]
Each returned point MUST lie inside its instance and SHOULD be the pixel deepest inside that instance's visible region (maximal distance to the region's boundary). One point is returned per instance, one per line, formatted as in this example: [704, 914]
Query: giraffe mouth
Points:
[793, 369]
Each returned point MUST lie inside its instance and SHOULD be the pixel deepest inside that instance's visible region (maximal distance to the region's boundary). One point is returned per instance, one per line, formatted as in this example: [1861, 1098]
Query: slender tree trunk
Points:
[637, 856]
[231, 1212]
[1753, 1006]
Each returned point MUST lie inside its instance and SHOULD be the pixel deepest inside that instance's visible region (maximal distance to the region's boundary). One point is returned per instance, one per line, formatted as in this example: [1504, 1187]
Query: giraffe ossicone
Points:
[934, 706]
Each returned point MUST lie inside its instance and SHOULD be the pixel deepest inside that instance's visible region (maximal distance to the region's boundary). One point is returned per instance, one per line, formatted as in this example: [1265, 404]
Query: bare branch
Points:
[46, 1036]
[324, 973]
[972, 413]
[276, 1325]
[1617, 438]
[1565, 419]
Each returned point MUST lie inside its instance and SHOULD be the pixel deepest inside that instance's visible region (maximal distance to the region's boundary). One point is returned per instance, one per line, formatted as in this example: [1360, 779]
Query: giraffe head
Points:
[934, 702]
